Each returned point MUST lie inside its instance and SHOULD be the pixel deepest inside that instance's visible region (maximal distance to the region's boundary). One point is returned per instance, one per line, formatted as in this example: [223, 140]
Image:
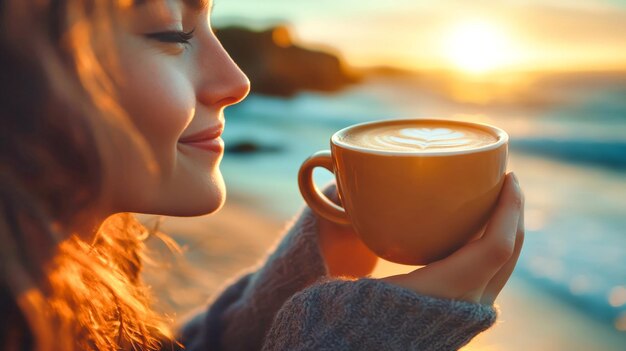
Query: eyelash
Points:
[174, 37]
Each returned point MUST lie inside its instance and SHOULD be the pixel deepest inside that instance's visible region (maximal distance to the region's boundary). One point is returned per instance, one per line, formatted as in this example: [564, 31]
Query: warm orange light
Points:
[477, 47]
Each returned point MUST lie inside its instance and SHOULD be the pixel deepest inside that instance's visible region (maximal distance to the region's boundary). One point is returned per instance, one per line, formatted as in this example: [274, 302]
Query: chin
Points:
[203, 202]
[194, 208]
[215, 205]
[189, 197]
[200, 207]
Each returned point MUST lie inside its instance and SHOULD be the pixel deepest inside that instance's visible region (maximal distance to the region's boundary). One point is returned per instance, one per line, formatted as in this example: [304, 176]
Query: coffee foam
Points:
[418, 137]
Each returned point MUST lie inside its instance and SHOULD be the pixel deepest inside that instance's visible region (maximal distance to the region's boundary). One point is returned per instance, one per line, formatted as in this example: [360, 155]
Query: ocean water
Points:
[570, 158]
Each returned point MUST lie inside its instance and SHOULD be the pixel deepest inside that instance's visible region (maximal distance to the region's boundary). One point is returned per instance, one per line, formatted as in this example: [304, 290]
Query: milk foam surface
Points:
[418, 137]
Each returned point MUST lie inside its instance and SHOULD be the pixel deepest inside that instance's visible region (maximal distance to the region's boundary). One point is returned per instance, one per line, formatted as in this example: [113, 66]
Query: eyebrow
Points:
[197, 5]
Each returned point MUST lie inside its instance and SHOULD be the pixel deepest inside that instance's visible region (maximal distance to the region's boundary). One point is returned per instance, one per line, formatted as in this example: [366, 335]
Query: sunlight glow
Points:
[477, 47]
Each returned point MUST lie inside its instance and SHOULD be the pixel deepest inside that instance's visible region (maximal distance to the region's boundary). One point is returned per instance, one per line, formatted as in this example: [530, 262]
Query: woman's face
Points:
[174, 87]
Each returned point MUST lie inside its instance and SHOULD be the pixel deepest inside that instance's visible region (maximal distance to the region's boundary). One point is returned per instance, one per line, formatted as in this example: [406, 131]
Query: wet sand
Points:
[219, 247]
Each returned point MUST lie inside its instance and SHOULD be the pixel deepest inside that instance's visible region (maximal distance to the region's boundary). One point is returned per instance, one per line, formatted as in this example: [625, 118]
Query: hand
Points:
[344, 253]
[478, 271]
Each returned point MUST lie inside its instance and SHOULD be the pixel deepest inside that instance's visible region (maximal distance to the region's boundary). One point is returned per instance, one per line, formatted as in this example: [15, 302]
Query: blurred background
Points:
[551, 72]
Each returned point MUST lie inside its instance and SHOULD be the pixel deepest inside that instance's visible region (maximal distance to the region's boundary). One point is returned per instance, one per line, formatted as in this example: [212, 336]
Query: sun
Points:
[477, 47]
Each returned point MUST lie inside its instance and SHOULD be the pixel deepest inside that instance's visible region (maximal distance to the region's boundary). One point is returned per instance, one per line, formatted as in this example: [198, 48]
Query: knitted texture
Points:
[241, 316]
[369, 314]
[290, 303]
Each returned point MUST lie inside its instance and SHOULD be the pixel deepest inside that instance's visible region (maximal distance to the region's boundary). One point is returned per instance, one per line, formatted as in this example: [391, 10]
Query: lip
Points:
[207, 139]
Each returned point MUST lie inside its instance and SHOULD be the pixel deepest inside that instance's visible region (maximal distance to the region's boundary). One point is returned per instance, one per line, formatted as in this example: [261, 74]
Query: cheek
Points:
[160, 101]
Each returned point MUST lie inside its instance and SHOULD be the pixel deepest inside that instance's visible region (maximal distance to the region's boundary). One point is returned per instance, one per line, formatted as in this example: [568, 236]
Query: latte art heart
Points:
[416, 138]
[428, 134]
[426, 137]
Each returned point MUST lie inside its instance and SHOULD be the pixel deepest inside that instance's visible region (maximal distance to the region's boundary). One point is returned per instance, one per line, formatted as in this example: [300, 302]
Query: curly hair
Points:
[58, 289]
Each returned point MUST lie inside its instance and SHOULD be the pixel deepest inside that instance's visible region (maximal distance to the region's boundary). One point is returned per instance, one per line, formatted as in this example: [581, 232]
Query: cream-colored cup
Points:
[414, 190]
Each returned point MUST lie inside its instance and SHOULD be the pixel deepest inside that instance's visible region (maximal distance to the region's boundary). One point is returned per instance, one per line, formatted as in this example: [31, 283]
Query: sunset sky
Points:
[469, 36]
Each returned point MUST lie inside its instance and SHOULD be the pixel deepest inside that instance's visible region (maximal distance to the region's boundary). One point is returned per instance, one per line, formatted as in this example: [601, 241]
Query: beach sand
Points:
[219, 247]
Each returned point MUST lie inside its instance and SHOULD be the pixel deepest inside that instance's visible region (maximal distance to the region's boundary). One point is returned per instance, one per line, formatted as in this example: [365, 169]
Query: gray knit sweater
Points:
[290, 303]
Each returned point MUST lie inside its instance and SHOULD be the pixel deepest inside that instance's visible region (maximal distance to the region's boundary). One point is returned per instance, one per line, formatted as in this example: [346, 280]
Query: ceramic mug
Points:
[411, 198]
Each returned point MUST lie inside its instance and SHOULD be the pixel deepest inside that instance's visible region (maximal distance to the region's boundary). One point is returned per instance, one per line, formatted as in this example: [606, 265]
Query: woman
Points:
[116, 106]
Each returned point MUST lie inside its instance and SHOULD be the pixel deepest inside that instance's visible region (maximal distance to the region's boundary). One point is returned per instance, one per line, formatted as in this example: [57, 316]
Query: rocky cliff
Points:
[277, 66]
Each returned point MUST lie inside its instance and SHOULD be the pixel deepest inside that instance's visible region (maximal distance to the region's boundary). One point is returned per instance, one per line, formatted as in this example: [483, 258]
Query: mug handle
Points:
[311, 194]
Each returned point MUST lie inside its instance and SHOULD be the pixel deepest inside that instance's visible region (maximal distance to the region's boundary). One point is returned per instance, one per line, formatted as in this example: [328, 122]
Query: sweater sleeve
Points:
[369, 314]
[243, 313]
[290, 303]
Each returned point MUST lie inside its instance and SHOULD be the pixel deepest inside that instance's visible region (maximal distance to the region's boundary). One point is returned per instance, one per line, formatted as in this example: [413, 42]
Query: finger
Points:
[475, 264]
[330, 190]
[343, 251]
[496, 284]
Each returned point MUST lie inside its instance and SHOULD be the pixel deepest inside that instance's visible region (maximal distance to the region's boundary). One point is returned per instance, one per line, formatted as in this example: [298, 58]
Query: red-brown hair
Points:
[57, 290]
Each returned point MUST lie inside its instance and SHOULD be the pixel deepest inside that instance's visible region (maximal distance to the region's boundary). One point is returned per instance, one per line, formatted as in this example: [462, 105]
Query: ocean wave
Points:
[610, 154]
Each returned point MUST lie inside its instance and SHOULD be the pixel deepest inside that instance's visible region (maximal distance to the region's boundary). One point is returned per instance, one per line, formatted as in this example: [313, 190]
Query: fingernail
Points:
[518, 188]
[515, 178]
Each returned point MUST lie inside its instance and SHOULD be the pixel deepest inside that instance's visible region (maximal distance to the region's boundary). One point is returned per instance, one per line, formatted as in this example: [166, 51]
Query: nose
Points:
[222, 82]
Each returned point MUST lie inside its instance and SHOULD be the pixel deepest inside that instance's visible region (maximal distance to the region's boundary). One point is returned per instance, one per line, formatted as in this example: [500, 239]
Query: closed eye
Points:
[176, 37]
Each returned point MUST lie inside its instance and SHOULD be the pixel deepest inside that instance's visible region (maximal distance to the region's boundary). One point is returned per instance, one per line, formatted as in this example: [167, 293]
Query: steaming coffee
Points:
[418, 136]
[413, 190]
